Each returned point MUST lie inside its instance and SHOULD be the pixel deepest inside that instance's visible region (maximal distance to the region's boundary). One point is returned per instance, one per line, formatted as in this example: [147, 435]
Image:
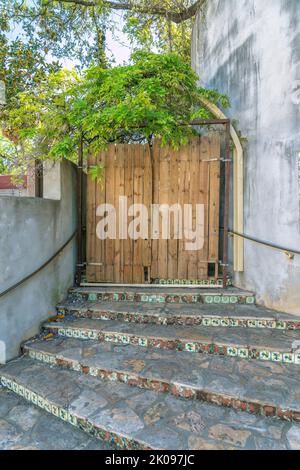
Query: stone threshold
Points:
[240, 316]
[116, 366]
[263, 345]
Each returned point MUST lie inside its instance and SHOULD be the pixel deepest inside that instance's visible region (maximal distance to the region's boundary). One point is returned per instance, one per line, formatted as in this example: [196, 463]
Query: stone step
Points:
[246, 343]
[163, 294]
[230, 316]
[133, 418]
[255, 387]
[24, 426]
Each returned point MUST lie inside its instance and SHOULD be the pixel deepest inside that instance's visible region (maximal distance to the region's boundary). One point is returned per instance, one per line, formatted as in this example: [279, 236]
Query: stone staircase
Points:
[167, 368]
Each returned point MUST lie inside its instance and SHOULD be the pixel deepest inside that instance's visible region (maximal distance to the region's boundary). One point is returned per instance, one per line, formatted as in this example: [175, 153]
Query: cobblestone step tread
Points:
[136, 418]
[273, 340]
[24, 426]
[255, 382]
[169, 310]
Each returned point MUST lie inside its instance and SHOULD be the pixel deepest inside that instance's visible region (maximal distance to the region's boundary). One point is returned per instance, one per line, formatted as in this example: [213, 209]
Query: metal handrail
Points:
[10, 289]
[269, 244]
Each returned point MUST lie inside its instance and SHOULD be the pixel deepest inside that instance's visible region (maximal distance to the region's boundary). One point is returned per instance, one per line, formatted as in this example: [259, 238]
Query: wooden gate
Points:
[189, 176]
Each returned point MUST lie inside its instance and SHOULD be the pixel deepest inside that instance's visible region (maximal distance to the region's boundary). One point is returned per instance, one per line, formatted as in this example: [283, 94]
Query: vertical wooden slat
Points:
[138, 199]
[121, 159]
[193, 200]
[163, 199]
[128, 243]
[155, 243]
[173, 199]
[147, 201]
[110, 190]
[91, 223]
[100, 199]
[117, 193]
[183, 199]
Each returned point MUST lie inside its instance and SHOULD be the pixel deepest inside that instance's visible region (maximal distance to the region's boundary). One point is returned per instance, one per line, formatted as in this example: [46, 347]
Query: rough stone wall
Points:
[250, 50]
[31, 231]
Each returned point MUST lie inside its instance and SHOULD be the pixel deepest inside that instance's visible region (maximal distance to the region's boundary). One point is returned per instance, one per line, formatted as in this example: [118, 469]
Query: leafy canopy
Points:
[157, 95]
[77, 29]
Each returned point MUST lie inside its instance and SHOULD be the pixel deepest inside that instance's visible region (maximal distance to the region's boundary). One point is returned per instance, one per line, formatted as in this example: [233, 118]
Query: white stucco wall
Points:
[250, 50]
[31, 231]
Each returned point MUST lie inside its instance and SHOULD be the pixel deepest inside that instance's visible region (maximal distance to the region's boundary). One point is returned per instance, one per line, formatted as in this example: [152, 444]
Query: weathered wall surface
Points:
[250, 50]
[31, 231]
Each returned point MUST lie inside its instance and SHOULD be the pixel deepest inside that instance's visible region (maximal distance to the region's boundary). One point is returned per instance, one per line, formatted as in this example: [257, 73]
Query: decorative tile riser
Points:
[61, 413]
[181, 345]
[187, 282]
[183, 391]
[186, 320]
[164, 298]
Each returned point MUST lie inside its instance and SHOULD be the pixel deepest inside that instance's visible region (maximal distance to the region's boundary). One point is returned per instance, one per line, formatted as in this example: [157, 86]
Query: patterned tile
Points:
[276, 357]
[288, 358]
[231, 351]
[243, 353]
[191, 347]
[143, 342]
[265, 355]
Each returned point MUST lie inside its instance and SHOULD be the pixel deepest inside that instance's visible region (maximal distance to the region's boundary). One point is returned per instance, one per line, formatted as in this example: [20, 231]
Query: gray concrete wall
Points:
[250, 50]
[31, 231]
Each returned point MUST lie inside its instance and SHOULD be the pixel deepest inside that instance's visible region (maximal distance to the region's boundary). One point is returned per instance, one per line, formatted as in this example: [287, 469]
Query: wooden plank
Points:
[147, 200]
[175, 225]
[164, 186]
[117, 192]
[128, 191]
[193, 200]
[110, 189]
[100, 199]
[121, 160]
[155, 243]
[183, 193]
[138, 275]
[91, 224]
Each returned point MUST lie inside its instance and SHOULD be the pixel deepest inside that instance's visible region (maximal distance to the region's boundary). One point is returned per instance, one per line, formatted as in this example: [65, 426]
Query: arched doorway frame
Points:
[238, 189]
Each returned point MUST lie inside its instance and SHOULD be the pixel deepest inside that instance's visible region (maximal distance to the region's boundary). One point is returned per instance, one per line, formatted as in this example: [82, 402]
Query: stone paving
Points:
[263, 344]
[24, 426]
[135, 418]
[214, 315]
[123, 365]
[263, 386]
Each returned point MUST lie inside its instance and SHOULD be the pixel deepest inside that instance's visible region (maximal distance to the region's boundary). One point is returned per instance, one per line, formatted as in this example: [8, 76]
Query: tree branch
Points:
[174, 16]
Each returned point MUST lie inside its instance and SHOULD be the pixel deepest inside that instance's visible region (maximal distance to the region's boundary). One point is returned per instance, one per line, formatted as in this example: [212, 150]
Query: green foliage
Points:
[70, 30]
[97, 173]
[157, 95]
[152, 32]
